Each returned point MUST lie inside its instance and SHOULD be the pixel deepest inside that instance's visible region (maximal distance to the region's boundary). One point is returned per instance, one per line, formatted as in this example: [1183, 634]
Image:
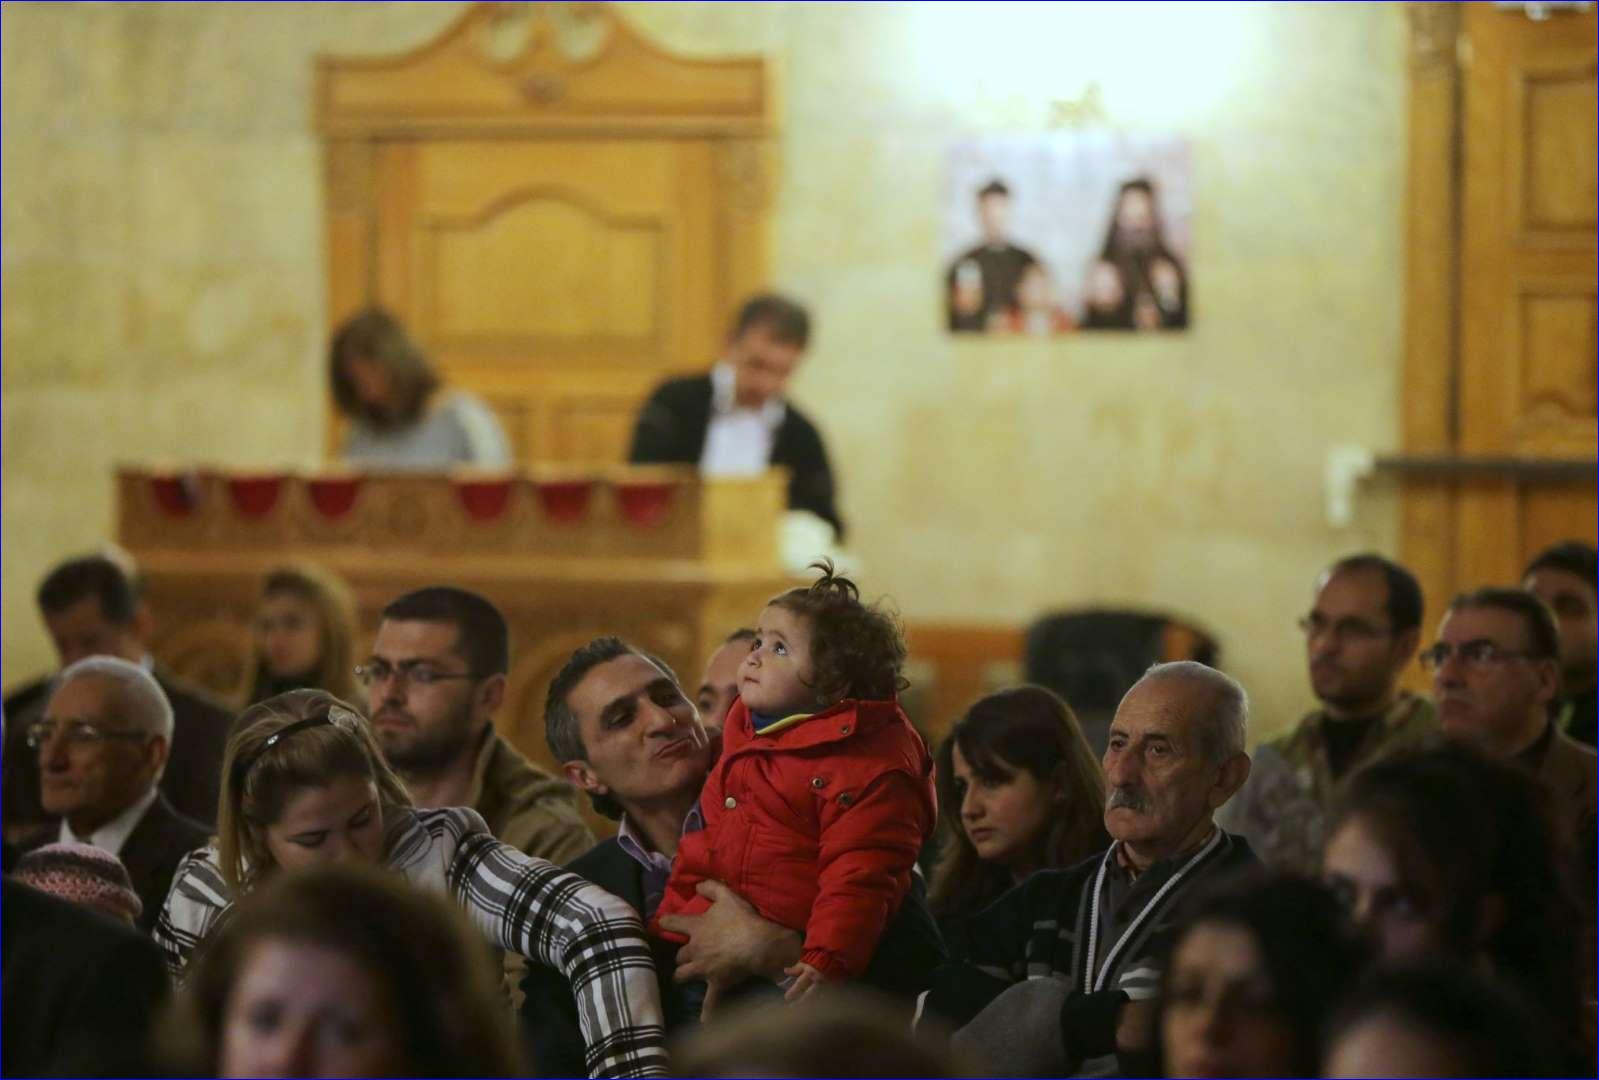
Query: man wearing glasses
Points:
[1360, 634]
[436, 677]
[102, 746]
[1495, 669]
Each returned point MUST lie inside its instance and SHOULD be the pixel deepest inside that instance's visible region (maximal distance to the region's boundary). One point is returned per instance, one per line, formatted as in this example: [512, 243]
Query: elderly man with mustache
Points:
[1065, 964]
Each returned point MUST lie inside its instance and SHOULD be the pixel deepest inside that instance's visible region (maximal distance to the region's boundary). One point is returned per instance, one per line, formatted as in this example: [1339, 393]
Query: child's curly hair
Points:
[857, 650]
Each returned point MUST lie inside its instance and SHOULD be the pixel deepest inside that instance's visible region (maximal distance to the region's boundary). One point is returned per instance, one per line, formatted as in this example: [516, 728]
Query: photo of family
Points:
[1050, 234]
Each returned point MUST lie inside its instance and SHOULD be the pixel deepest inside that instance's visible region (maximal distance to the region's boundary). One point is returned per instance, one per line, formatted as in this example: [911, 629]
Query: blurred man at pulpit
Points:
[735, 420]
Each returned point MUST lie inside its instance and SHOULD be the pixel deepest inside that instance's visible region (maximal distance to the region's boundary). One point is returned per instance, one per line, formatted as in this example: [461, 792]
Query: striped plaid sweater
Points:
[521, 904]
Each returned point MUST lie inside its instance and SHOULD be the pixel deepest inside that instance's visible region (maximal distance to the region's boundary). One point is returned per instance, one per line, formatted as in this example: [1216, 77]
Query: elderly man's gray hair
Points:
[1225, 722]
[144, 703]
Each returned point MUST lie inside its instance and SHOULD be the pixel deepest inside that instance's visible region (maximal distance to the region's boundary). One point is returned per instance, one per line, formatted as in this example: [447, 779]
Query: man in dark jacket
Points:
[735, 421]
[1080, 948]
[91, 606]
[101, 745]
[629, 736]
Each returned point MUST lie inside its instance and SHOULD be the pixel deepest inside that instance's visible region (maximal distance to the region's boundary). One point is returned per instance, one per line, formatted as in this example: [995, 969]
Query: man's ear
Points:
[581, 775]
[1548, 680]
[491, 694]
[155, 753]
[142, 625]
[1234, 771]
[1406, 645]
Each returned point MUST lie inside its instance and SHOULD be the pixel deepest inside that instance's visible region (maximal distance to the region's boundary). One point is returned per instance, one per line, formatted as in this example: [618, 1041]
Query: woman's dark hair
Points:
[419, 951]
[1025, 728]
[857, 650]
[376, 335]
[334, 604]
[1470, 830]
[1306, 942]
[1489, 1029]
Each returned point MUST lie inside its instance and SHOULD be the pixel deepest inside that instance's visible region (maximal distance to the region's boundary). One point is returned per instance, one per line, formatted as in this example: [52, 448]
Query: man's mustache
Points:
[1127, 798]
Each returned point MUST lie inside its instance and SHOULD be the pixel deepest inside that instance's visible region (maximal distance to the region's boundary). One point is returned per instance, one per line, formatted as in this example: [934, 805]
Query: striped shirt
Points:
[520, 903]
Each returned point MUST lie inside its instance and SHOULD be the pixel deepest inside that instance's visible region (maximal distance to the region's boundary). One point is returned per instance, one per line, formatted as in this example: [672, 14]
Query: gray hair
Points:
[143, 699]
[1225, 720]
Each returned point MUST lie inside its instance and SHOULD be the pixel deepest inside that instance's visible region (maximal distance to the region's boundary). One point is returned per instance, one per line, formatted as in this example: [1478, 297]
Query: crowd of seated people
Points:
[358, 876]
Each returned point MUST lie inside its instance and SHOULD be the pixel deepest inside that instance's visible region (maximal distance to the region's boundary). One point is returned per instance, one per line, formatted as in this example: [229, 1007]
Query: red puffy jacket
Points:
[817, 825]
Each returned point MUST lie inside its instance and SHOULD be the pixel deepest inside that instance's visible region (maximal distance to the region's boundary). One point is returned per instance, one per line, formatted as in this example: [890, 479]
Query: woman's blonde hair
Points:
[335, 609]
[265, 765]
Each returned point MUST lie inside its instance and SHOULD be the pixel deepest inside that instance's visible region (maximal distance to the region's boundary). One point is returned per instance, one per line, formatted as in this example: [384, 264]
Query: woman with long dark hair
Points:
[1018, 790]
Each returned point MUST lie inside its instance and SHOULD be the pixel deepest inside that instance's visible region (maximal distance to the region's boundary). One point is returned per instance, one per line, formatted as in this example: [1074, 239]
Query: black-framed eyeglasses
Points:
[1315, 626]
[408, 672]
[76, 733]
[1477, 654]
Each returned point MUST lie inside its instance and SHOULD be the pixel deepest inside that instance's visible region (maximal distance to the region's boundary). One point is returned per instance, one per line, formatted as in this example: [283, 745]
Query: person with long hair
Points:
[342, 970]
[1019, 789]
[305, 633]
[304, 783]
[401, 414]
[1444, 853]
[1154, 285]
[1260, 961]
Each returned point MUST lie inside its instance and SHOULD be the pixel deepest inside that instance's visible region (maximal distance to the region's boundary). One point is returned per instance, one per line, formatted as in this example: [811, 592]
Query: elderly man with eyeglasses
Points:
[1360, 634]
[436, 677]
[1495, 669]
[102, 745]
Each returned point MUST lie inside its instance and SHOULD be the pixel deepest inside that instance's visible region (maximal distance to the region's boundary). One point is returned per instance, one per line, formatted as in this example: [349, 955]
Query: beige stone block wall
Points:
[163, 282]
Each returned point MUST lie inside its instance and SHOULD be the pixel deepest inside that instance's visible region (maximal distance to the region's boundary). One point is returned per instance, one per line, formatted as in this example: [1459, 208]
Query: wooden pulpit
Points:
[652, 554]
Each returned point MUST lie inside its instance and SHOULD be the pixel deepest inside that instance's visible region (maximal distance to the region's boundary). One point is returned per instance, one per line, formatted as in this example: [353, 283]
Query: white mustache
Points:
[1127, 799]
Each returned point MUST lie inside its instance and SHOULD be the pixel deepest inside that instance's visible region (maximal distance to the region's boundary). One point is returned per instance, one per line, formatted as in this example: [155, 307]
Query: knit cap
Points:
[82, 874]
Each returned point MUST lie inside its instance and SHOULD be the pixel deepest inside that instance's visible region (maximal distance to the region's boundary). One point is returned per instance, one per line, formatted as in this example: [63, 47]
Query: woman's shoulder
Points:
[415, 833]
[199, 879]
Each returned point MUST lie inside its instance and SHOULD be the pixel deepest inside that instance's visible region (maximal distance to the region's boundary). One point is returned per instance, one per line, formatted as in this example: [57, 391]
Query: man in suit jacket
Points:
[735, 420]
[91, 607]
[101, 747]
[629, 736]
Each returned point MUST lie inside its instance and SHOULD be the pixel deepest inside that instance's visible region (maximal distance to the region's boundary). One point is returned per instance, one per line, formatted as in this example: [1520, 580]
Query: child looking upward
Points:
[823, 795]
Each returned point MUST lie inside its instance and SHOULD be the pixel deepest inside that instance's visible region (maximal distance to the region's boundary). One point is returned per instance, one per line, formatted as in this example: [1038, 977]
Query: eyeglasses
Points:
[409, 673]
[76, 733]
[1315, 626]
[1478, 655]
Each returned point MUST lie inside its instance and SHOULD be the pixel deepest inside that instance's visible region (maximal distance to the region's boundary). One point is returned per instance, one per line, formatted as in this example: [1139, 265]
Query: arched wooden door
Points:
[562, 213]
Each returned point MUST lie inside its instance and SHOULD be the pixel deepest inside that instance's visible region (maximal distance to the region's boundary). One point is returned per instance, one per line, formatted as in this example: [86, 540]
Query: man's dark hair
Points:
[1403, 602]
[481, 635]
[993, 187]
[857, 650]
[91, 576]
[786, 320]
[1543, 635]
[1572, 556]
[563, 731]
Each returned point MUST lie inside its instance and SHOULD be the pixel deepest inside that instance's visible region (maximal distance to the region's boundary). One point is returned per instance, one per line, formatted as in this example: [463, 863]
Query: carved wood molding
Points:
[1434, 32]
[540, 68]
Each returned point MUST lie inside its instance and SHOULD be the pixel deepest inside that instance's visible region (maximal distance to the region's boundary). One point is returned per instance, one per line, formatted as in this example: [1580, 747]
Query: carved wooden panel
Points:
[1560, 154]
[1557, 352]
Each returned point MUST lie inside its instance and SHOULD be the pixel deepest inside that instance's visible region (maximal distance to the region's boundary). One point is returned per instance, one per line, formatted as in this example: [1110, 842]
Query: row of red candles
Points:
[563, 501]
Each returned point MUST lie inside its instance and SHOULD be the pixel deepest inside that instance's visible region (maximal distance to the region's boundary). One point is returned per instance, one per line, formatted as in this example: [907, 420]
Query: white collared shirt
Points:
[114, 833]
[738, 441]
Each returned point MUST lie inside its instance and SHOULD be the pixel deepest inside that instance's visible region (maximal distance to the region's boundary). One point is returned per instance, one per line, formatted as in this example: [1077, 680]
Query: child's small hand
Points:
[806, 980]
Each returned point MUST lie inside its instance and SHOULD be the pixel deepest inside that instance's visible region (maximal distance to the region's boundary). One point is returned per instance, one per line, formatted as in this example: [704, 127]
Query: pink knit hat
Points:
[83, 874]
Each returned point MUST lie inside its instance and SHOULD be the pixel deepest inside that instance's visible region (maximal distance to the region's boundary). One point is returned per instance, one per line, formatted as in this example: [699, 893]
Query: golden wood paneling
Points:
[1500, 307]
[561, 213]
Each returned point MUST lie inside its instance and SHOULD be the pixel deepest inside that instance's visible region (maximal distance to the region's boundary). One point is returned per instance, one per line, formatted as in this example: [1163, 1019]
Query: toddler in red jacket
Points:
[823, 795]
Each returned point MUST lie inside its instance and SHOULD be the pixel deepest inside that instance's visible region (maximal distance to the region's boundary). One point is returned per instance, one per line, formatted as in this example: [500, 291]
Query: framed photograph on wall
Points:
[1066, 231]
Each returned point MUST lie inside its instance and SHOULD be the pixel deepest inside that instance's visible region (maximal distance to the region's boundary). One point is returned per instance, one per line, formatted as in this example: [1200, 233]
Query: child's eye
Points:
[780, 649]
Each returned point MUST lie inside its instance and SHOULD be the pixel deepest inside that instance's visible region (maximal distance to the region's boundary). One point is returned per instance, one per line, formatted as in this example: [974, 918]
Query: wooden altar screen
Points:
[651, 554]
[560, 212]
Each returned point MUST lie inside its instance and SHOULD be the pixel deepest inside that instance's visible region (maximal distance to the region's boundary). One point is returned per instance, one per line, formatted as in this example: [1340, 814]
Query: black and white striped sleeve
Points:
[553, 917]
